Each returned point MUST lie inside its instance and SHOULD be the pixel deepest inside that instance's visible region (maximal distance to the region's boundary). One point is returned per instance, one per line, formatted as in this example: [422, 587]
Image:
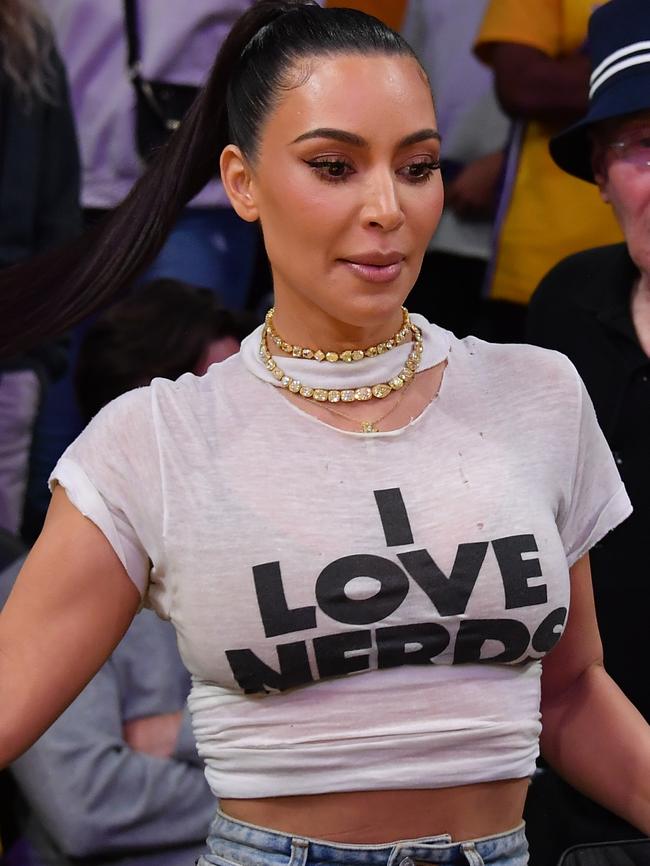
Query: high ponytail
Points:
[55, 290]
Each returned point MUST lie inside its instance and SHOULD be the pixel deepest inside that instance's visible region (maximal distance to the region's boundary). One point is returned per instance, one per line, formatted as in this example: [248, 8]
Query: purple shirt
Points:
[179, 42]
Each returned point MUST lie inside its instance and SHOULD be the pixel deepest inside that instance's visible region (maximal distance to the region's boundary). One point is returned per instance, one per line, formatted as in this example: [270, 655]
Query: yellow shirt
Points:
[547, 214]
[391, 12]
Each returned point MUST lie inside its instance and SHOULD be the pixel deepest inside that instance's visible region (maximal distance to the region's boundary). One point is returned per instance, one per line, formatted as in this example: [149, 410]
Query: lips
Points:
[375, 267]
[376, 259]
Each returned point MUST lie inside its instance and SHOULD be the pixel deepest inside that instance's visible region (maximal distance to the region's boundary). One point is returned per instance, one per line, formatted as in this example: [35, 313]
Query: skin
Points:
[311, 225]
[376, 196]
[322, 200]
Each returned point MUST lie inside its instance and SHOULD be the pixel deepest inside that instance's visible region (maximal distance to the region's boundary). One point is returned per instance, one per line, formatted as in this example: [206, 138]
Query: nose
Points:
[382, 208]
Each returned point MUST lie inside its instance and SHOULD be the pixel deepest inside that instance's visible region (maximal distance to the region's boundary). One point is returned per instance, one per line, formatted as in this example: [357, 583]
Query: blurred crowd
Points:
[88, 90]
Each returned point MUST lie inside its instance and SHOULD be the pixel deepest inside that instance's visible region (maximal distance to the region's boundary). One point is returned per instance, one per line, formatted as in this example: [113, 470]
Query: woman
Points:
[275, 512]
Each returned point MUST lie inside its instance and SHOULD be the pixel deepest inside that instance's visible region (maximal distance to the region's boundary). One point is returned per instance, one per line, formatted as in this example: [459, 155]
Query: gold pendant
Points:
[368, 427]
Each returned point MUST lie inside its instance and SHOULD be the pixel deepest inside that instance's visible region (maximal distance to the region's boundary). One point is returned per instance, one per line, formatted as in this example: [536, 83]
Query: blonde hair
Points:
[25, 50]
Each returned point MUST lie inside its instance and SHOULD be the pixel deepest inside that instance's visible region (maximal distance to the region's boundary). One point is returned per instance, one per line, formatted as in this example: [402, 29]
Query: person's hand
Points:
[472, 195]
[154, 735]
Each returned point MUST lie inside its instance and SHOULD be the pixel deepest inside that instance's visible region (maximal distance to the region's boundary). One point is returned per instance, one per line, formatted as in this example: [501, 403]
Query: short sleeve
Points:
[110, 474]
[596, 500]
[535, 23]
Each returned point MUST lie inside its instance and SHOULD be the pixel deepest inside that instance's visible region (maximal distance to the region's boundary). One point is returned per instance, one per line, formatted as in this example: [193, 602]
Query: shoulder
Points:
[191, 408]
[128, 414]
[190, 391]
[166, 405]
[514, 372]
[131, 423]
[514, 360]
[118, 441]
[532, 397]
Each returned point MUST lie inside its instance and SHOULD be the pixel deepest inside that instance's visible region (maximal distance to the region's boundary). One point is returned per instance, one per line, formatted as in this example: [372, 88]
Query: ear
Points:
[599, 170]
[601, 181]
[237, 181]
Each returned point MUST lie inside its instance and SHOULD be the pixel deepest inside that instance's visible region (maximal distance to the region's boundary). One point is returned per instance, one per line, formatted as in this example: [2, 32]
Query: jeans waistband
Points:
[236, 843]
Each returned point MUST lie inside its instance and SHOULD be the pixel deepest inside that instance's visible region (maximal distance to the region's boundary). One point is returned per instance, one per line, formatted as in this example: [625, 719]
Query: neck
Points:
[643, 286]
[331, 334]
[640, 309]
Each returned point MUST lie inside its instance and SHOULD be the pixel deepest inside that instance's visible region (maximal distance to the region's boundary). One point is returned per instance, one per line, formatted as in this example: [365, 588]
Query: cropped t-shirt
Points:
[358, 611]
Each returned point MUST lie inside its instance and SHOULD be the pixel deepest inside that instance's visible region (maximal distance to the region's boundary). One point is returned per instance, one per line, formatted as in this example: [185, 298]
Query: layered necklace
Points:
[327, 397]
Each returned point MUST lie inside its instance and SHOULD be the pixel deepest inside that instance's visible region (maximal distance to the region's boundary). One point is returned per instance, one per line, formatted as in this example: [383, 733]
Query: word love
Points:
[348, 651]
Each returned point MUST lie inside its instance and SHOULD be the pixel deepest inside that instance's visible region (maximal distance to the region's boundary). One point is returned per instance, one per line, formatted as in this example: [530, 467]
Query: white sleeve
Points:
[111, 475]
[596, 499]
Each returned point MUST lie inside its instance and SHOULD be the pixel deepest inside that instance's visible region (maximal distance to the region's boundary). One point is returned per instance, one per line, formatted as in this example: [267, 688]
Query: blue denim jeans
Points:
[235, 843]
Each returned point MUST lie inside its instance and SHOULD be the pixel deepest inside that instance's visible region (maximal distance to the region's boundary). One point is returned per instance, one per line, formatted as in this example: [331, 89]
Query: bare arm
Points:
[533, 86]
[71, 604]
[592, 735]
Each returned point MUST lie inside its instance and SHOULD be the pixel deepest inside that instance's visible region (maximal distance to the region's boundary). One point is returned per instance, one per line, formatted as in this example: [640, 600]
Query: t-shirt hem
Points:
[347, 781]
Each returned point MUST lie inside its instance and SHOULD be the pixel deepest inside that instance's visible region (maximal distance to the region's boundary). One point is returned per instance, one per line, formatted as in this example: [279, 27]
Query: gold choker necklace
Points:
[346, 395]
[349, 355]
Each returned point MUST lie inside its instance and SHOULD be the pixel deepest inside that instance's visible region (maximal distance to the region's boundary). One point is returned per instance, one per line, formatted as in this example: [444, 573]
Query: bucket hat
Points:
[619, 49]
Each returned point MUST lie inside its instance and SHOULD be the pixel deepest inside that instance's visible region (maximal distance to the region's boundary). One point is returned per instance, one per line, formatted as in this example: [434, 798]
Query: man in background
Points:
[594, 306]
[536, 50]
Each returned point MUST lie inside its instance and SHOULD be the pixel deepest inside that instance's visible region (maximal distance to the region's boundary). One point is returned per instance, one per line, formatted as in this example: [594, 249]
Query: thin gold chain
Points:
[371, 426]
[366, 426]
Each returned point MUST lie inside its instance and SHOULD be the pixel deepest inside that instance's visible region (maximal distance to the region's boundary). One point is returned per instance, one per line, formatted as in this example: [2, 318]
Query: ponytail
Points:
[55, 290]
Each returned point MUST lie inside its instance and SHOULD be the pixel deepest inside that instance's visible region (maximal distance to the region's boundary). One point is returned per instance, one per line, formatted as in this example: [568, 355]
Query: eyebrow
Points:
[358, 141]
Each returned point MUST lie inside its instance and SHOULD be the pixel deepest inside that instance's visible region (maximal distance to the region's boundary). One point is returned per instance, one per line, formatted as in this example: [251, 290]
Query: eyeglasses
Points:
[633, 148]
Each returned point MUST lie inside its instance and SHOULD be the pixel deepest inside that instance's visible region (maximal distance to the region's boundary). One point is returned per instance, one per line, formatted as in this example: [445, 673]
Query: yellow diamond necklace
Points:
[347, 395]
[349, 355]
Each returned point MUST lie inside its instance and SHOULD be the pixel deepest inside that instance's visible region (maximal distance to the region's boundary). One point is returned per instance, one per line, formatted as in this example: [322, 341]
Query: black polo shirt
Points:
[582, 308]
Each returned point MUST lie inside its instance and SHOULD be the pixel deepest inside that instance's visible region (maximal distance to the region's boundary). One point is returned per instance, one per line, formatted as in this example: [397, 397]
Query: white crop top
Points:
[357, 611]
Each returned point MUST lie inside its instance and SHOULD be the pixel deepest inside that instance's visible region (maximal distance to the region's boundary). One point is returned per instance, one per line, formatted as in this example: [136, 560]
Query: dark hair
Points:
[51, 293]
[162, 329]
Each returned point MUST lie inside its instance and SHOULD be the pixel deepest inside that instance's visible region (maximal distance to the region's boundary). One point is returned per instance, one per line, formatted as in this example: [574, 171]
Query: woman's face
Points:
[347, 190]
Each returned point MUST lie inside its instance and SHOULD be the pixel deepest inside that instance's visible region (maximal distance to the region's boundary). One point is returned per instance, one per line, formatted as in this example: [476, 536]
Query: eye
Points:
[331, 170]
[420, 171]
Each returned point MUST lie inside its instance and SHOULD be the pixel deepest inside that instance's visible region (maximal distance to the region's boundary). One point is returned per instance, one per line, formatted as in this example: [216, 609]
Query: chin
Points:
[370, 312]
[375, 305]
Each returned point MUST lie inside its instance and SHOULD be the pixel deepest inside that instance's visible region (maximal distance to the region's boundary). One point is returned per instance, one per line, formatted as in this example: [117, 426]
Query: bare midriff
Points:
[376, 817]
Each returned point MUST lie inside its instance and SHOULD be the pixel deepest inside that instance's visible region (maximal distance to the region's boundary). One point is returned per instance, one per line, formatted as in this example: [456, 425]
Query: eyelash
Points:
[322, 166]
